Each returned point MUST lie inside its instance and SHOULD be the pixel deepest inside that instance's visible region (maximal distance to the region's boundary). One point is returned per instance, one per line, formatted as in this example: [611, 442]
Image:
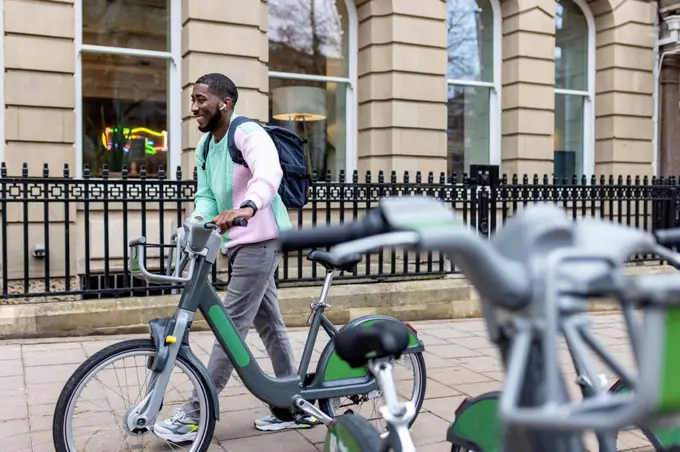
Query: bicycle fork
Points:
[144, 414]
[397, 414]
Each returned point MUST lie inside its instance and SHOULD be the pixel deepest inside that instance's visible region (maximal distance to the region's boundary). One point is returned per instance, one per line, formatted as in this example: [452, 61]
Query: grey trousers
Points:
[252, 299]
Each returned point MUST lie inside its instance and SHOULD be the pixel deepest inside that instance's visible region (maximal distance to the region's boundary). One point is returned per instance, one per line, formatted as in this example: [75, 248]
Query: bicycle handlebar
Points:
[668, 237]
[324, 236]
[240, 221]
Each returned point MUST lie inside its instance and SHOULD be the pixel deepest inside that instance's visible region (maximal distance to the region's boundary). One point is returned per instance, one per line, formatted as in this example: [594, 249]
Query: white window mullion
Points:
[351, 130]
[495, 103]
[352, 100]
[471, 83]
[589, 107]
[124, 51]
[588, 136]
[308, 77]
[78, 91]
[174, 112]
[572, 92]
[494, 127]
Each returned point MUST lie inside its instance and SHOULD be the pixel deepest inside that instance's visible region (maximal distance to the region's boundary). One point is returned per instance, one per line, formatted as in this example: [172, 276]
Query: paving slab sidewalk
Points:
[460, 362]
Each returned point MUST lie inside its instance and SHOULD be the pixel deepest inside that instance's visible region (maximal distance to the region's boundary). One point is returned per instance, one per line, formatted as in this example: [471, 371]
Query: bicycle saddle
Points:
[332, 262]
[356, 345]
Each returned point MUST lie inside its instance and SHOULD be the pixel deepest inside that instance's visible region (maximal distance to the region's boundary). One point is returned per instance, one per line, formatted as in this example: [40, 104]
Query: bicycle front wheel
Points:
[88, 419]
[352, 433]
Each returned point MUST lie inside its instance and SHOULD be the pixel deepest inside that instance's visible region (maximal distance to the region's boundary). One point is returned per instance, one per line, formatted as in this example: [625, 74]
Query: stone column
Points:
[39, 86]
[528, 86]
[402, 86]
[231, 40]
[624, 87]
[669, 120]
[39, 128]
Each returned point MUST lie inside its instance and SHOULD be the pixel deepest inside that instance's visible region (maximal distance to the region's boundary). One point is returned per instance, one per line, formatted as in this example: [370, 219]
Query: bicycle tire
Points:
[362, 435]
[326, 406]
[655, 442]
[82, 372]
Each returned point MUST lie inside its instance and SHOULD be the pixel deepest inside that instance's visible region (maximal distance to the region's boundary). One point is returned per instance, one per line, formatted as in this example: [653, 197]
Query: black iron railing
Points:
[66, 239]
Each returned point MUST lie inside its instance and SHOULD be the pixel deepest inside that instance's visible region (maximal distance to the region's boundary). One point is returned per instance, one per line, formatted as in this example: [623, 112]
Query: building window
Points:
[128, 99]
[312, 78]
[574, 80]
[473, 75]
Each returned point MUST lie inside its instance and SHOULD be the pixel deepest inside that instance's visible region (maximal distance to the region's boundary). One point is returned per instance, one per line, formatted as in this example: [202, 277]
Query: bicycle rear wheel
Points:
[111, 410]
[368, 405]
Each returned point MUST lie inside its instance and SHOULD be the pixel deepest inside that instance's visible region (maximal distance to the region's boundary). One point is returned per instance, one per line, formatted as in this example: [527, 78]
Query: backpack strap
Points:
[236, 155]
[206, 148]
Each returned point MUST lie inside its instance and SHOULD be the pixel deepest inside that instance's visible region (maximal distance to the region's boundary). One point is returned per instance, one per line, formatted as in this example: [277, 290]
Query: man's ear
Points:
[227, 103]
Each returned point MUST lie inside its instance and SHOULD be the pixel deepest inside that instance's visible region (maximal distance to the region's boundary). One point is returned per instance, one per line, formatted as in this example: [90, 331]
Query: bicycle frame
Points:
[333, 377]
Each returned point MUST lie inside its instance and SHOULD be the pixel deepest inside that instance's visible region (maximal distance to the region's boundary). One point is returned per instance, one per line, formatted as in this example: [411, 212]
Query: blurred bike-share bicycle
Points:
[534, 277]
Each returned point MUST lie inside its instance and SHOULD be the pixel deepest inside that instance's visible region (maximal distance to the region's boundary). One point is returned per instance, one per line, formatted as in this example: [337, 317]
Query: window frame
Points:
[350, 82]
[588, 95]
[495, 86]
[174, 90]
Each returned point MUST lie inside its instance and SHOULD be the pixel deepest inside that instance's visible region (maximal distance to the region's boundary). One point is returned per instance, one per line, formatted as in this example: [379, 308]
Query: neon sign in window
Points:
[153, 141]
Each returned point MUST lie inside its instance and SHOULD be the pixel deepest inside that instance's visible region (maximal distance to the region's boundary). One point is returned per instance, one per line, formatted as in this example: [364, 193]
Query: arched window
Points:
[474, 78]
[574, 89]
[312, 77]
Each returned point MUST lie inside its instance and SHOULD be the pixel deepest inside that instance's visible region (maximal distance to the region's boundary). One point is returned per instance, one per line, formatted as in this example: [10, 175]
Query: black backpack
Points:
[295, 183]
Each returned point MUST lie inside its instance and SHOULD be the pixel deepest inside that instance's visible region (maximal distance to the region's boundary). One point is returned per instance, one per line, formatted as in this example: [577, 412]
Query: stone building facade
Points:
[536, 86]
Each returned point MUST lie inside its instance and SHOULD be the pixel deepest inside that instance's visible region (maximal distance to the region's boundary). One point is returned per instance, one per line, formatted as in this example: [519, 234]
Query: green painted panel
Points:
[229, 335]
[669, 398]
[338, 439]
[413, 339]
[480, 424]
[338, 369]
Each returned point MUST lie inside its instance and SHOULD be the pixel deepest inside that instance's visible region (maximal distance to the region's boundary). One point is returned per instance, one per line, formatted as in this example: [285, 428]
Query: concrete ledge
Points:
[438, 299]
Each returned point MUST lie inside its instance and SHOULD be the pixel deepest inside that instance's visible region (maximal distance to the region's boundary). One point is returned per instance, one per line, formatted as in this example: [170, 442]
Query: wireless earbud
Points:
[223, 107]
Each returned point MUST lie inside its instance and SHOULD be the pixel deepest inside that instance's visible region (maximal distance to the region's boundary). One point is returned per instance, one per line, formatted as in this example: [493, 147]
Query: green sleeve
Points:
[205, 204]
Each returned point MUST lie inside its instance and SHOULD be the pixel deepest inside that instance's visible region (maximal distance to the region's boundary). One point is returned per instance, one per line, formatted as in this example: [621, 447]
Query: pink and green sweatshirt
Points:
[224, 185]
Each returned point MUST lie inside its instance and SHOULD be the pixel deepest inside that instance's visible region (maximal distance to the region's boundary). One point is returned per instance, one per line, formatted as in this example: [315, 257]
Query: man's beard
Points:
[211, 125]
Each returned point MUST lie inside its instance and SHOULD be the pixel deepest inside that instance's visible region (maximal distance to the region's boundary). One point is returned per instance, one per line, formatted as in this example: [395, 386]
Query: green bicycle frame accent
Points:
[229, 335]
[477, 426]
[669, 399]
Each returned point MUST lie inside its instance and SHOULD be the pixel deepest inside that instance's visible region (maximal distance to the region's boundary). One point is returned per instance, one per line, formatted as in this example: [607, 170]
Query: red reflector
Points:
[463, 402]
[411, 326]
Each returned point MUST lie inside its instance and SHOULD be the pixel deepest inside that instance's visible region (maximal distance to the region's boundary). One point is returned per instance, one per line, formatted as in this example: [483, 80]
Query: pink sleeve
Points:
[262, 158]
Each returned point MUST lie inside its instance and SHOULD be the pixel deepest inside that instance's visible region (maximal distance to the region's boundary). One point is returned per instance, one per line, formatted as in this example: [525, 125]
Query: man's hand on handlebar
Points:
[226, 219]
